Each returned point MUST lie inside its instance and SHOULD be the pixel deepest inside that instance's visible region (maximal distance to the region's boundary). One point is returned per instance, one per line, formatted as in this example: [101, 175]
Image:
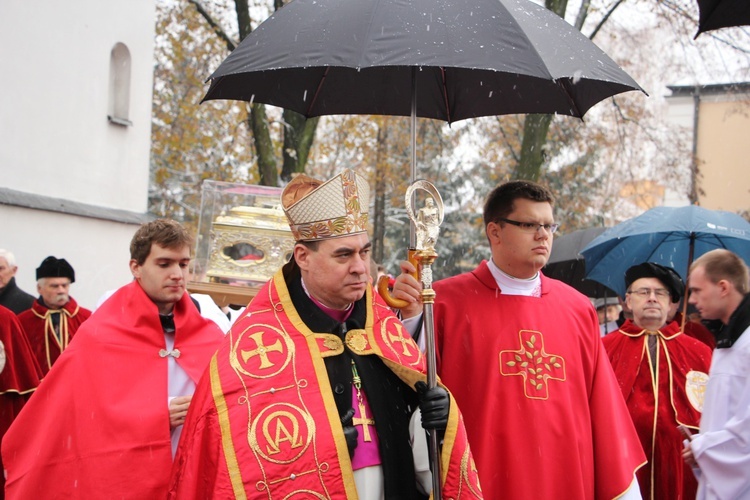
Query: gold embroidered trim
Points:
[331, 342]
[357, 340]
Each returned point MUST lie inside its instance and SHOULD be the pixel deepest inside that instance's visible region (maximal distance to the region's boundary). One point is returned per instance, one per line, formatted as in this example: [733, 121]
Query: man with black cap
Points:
[313, 392]
[662, 374]
[55, 316]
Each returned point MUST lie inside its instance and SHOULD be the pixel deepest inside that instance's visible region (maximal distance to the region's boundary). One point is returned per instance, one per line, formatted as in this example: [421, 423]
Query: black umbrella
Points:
[716, 14]
[568, 265]
[443, 59]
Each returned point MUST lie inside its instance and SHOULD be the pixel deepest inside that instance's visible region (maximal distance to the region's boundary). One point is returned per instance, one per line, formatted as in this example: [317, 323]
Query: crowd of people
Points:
[318, 389]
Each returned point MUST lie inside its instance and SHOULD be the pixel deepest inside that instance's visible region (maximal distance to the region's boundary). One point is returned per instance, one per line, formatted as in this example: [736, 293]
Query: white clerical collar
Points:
[508, 285]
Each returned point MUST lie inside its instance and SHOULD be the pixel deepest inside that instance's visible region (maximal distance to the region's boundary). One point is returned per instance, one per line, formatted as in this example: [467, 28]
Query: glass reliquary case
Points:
[243, 239]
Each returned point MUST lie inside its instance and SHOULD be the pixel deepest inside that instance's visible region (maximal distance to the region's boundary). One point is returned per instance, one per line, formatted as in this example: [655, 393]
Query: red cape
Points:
[98, 426]
[34, 324]
[657, 413]
[544, 415]
[696, 330]
[264, 421]
[20, 376]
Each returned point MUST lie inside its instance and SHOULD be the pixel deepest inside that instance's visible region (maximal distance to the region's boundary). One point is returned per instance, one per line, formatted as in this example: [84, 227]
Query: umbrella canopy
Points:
[567, 264]
[716, 14]
[466, 58]
[665, 235]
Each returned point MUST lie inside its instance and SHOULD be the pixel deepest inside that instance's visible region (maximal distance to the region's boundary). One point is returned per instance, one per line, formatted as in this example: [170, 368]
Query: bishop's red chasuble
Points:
[39, 327]
[19, 375]
[98, 425]
[544, 415]
[264, 423]
[659, 399]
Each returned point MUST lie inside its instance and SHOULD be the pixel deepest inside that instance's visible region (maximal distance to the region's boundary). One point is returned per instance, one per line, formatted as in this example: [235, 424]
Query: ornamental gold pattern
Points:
[533, 364]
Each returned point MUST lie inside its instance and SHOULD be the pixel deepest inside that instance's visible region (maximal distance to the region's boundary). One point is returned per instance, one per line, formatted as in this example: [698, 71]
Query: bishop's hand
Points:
[350, 432]
[434, 404]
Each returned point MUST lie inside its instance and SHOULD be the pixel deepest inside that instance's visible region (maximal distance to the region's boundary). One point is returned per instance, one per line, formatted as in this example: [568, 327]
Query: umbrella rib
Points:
[317, 92]
[445, 95]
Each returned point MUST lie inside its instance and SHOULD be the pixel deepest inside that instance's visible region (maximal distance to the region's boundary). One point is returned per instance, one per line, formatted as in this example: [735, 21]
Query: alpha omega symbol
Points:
[281, 433]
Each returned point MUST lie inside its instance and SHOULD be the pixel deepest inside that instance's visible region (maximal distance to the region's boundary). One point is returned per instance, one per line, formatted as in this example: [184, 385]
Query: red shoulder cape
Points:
[98, 426]
[34, 324]
[20, 375]
[264, 421]
[683, 364]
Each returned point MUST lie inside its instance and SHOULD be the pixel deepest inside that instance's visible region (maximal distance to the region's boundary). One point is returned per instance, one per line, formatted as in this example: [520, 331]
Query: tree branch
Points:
[231, 44]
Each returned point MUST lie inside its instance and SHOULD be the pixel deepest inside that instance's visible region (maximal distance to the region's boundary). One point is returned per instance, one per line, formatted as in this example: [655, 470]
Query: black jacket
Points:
[14, 298]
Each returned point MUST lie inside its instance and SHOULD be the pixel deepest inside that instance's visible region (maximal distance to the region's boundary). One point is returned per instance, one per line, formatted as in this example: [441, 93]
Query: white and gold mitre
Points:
[319, 210]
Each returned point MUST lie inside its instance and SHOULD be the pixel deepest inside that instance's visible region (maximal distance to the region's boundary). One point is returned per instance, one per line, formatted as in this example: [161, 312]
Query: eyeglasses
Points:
[532, 227]
[646, 292]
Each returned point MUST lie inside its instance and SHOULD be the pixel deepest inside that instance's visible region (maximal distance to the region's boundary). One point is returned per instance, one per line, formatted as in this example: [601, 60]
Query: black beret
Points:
[52, 267]
[668, 276]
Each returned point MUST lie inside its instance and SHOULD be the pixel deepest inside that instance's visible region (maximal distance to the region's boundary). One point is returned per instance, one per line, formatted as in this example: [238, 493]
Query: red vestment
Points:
[98, 426]
[264, 422]
[658, 404]
[20, 374]
[37, 323]
[544, 415]
[696, 330]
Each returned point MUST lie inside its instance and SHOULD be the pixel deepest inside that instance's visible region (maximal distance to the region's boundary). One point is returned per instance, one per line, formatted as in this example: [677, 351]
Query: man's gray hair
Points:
[8, 256]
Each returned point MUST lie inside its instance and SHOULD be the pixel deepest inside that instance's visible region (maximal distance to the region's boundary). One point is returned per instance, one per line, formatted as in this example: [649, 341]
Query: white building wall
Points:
[54, 134]
[98, 250]
[57, 145]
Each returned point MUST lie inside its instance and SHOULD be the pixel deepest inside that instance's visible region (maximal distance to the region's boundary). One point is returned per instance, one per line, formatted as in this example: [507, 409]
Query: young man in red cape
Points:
[54, 317]
[105, 421]
[662, 374]
[523, 357]
[313, 393]
[19, 372]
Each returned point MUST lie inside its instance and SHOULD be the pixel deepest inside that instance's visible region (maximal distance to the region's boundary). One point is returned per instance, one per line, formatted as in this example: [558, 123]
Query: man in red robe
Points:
[106, 419]
[19, 373]
[662, 374]
[54, 318]
[314, 391]
[523, 357]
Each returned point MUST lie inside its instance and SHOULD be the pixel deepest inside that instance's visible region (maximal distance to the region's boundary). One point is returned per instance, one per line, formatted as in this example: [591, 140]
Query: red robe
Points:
[657, 406]
[20, 375]
[543, 411]
[98, 426]
[696, 330]
[37, 324]
[264, 422]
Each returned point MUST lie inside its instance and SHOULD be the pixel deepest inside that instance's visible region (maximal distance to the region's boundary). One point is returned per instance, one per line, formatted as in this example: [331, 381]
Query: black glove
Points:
[434, 404]
[350, 432]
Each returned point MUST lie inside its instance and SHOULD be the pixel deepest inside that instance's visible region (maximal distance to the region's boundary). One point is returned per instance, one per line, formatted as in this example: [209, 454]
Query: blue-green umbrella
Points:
[671, 236]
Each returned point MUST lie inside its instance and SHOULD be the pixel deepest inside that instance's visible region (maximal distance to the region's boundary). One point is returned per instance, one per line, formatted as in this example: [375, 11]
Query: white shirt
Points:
[722, 448]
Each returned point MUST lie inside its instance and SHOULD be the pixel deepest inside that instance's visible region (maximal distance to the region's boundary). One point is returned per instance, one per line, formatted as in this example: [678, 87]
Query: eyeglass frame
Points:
[646, 292]
[527, 226]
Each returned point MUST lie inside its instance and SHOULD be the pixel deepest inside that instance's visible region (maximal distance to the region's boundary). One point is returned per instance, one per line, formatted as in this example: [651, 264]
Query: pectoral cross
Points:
[364, 422]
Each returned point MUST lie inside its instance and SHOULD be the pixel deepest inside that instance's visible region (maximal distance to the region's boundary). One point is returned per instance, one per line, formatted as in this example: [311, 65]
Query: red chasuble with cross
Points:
[657, 403]
[98, 425]
[544, 414]
[264, 421]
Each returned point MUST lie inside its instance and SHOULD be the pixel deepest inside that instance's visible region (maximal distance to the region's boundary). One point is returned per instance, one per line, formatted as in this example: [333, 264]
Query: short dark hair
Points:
[166, 233]
[499, 203]
[722, 264]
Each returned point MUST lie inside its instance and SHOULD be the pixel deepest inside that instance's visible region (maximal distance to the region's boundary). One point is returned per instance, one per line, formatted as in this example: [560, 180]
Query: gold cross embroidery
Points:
[261, 350]
[364, 421]
[533, 364]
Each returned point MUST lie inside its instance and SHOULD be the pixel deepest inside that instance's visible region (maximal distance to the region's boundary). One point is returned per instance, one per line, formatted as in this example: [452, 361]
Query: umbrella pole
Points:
[691, 251]
[413, 169]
